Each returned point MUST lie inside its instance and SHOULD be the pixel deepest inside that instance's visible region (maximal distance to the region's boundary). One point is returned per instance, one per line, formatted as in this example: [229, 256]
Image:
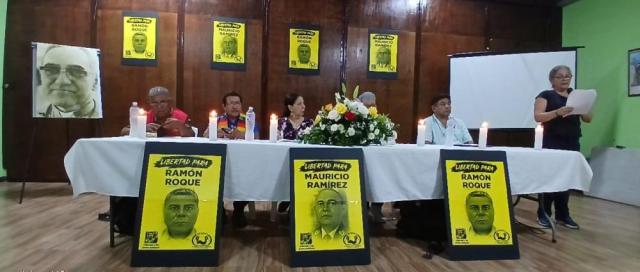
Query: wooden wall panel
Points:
[123, 84]
[204, 87]
[394, 97]
[427, 35]
[317, 90]
[58, 21]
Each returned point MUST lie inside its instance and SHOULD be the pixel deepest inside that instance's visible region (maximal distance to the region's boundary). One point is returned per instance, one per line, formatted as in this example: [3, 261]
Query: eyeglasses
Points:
[329, 204]
[563, 77]
[165, 101]
[72, 71]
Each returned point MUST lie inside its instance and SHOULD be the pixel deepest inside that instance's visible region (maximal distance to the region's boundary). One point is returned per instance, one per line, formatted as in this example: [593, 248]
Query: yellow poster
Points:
[478, 203]
[180, 202]
[383, 52]
[304, 48]
[228, 42]
[328, 207]
[139, 37]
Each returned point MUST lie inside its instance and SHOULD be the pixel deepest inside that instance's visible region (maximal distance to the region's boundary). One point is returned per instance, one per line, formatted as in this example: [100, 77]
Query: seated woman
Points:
[291, 124]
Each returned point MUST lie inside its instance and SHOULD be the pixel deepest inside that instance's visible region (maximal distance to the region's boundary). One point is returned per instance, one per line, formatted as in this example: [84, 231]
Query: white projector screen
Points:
[501, 88]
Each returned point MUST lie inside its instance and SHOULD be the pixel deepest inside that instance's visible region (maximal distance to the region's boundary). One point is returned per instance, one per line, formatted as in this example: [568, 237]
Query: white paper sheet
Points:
[581, 101]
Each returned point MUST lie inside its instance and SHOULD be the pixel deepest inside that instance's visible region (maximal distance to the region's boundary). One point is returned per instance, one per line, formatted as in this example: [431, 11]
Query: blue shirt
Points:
[437, 132]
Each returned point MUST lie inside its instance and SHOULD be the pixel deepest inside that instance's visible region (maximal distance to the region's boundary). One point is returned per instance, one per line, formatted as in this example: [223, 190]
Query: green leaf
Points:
[344, 88]
[355, 91]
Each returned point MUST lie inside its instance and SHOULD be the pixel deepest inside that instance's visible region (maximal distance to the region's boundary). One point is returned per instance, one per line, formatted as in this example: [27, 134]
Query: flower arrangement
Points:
[349, 123]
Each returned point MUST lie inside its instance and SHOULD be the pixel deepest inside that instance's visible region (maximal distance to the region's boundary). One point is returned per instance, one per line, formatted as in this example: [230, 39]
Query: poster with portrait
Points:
[479, 209]
[634, 72]
[229, 44]
[328, 204]
[178, 219]
[66, 81]
[382, 60]
[304, 50]
[139, 38]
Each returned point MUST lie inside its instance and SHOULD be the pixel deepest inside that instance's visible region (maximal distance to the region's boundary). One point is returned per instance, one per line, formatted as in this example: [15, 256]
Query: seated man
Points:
[368, 99]
[166, 121]
[441, 120]
[163, 118]
[231, 125]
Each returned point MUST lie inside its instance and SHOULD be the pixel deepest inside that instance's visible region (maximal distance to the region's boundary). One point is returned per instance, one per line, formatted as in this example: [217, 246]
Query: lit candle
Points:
[482, 138]
[273, 128]
[422, 130]
[213, 126]
[141, 124]
[537, 144]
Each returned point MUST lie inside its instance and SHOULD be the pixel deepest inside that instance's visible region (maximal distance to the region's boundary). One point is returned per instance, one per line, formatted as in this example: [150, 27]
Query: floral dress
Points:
[290, 133]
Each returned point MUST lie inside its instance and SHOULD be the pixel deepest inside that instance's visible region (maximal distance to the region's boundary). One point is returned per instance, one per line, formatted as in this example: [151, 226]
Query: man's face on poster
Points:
[329, 209]
[139, 42]
[229, 45]
[383, 56]
[180, 213]
[480, 213]
[66, 80]
[304, 53]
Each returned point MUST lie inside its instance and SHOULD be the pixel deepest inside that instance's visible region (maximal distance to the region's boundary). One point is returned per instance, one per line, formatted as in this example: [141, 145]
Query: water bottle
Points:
[133, 113]
[250, 124]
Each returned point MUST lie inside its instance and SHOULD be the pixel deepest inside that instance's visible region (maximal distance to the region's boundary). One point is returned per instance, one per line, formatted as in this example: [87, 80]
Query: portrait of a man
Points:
[383, 57]
[229, 46]
[330, 212]
[304, 53]
[634, 72]
[180, 213]
[66, 82]
[139, 41]
[480, 212]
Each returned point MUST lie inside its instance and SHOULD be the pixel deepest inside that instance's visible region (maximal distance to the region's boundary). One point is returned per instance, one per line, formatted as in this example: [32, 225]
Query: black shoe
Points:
[238, 220]
[283, 206]
[105, 216]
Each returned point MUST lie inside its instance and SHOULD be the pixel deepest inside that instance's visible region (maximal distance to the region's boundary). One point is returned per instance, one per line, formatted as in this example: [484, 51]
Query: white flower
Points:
[322, 126]
[341, 128]
[351, 131]
[334, 127]
[307, 130]
[352, 105]
[333, 115]
[371, 136]
[371, 126]
[376, 132]
[363, 110]
[395, 135]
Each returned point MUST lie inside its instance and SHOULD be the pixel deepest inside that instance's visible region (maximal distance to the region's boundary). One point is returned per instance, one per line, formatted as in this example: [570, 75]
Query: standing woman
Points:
[561, 131]
[291, 124]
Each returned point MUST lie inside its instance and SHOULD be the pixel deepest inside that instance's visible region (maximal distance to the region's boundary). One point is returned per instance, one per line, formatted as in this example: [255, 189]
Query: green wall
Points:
[607, 29]
[3, 19]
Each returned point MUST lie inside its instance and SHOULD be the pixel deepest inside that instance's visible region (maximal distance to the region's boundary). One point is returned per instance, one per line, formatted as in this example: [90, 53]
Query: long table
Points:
[259, 170]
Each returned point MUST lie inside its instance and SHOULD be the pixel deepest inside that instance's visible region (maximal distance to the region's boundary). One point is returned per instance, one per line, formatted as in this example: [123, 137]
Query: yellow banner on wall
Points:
[304, 49]
[478, 203]
[383, 52]
[228, 41]
[180, 202]
[139, 36]
[328, 207]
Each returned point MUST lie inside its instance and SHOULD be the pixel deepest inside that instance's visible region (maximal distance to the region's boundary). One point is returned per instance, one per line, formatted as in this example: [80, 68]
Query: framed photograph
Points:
[634, 72]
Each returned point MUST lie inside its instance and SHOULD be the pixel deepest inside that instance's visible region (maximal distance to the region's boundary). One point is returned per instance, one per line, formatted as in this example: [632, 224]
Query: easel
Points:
[96, 127]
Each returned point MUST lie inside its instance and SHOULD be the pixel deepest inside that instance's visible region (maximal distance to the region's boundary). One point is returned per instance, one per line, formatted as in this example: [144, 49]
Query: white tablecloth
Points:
[259, 170]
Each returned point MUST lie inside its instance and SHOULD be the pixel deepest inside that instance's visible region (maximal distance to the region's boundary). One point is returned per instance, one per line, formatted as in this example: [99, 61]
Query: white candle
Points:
[213, 126]
[141, 124]
[537, 144]
[273, 128]
[422, 130]
[482, 138]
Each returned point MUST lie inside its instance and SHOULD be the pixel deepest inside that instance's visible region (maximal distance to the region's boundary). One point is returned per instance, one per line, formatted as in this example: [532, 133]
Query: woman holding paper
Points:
[291, 124]
[561, 131]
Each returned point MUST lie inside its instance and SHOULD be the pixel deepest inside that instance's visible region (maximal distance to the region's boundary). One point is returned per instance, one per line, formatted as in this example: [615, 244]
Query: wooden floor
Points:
[51, 231]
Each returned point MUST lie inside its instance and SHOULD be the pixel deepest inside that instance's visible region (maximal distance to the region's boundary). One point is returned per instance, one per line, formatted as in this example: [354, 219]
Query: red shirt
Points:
[176, 114]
